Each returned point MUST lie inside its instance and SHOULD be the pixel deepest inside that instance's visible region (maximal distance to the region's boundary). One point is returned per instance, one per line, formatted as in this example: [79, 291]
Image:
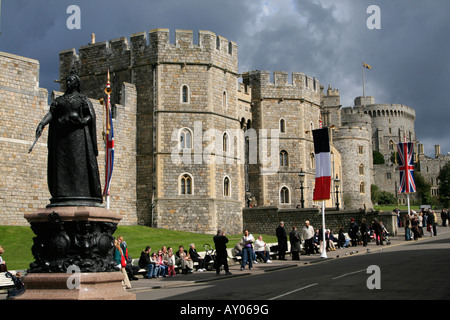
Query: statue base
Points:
[73, 251]
[82, 286]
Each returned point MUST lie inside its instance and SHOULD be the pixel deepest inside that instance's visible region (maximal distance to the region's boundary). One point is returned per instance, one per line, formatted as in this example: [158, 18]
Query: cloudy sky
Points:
[326, 39]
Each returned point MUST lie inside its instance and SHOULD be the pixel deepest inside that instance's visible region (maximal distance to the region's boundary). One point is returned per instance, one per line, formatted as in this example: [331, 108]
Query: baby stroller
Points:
[210, 257]
[385, 237]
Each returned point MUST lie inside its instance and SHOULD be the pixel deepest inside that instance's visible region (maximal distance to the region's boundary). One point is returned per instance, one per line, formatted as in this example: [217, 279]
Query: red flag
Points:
[323, 164]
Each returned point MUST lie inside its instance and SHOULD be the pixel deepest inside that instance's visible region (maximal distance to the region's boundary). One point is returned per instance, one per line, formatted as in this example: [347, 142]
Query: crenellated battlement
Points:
[299, 86]
[281, 79]
[149, 49]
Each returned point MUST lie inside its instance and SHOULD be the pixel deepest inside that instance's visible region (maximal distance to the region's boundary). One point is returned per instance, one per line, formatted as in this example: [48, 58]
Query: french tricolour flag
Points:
[323, 164]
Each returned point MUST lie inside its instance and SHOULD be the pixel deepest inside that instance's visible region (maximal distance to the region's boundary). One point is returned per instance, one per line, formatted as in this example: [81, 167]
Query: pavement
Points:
[182, 280]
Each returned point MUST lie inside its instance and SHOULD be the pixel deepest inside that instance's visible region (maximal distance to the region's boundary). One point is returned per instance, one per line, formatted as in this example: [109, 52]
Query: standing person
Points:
[308, 237]
[353, 232]
[295, 238]
[220, 242]
[407, 224]
[282, 241]
[377, 231]
[247, 250]
[444, 217]
[121, 263]
[364, 232]
[171, 264]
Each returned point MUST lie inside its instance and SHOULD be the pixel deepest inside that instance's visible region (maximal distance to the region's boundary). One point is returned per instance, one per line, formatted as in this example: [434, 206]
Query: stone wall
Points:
[23, 184]
[266, 220]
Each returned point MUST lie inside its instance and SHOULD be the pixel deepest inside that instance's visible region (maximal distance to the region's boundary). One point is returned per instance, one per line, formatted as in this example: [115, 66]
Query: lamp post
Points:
[301, 175]
[337, 182]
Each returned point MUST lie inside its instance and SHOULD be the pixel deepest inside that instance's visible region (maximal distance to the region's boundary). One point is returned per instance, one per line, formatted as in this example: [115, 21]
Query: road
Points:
[415, 270]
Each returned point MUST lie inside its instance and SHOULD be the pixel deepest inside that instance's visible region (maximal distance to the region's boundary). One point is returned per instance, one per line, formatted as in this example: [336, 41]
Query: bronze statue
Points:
[72, 171]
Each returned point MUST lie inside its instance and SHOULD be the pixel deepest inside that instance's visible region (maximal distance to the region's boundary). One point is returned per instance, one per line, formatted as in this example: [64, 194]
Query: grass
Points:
[403, 208]
[17, 241]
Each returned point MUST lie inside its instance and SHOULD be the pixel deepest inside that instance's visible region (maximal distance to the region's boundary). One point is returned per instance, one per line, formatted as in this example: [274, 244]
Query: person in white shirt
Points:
[260, 250]
[308, 237]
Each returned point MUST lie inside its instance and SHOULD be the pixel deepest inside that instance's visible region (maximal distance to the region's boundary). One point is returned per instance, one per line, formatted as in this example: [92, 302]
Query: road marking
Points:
[299, 289]
[350, 273]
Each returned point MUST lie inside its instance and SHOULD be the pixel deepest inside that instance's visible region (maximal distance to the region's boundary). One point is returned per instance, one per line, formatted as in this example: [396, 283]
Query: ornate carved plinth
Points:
[66, 286]
[74, 242]
[73, 236]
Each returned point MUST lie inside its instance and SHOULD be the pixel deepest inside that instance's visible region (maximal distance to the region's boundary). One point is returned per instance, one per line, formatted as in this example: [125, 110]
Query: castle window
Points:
[284, 195]
[224, 99]
[226, 187]
[225, 141]
[284, 158]
[185, 94]
[362, 188]
[186, 184]
[360, 150]
[185, 139]
[388, 176]
[313, 161]
[217, 43]
[230, 47]
[282, 126]
[361, 169]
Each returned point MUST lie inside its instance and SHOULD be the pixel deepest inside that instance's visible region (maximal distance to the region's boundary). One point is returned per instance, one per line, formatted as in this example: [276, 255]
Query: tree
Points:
[444, 185]
[423, 188]
[378, 158]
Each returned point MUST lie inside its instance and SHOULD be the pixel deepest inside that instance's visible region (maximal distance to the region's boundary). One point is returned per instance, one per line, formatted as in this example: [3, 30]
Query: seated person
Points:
[145, 263]
[316, 241]
[260, 250]
[329, 238]
[196, 258]
[183, 260]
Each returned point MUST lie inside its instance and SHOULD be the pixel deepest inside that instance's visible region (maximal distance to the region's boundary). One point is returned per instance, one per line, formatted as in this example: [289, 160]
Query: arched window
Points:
[186, 184]
[284, 195]
[284, 158]
[361, 169]
[184, 94]
[362, 188]
[185, 139]
[225, 142]
[282, 125]
[226, 187]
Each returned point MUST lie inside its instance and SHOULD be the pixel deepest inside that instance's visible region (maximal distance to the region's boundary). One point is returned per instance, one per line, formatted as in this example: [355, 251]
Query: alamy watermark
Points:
[374, 280]
[74, 20]
[226, 147]
[374, 21]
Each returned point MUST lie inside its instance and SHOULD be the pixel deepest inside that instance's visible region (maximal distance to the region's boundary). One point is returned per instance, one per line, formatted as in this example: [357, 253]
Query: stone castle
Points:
[195, 140]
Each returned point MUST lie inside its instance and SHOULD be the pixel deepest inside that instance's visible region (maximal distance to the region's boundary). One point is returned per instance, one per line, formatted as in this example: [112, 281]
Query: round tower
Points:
[353, 140]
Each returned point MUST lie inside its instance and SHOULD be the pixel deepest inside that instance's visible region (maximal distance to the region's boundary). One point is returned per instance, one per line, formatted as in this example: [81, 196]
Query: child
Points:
[171, 264]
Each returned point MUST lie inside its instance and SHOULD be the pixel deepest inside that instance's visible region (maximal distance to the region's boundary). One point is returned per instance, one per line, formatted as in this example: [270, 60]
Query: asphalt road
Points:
[416, 270]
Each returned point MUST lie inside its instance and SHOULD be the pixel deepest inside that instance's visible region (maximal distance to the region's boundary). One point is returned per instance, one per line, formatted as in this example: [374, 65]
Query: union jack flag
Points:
[405, 161]
[109, 141]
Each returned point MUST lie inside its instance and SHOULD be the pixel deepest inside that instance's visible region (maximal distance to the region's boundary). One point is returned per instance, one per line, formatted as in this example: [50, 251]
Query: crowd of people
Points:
[415, 222]
[161, 263]
[312, 238]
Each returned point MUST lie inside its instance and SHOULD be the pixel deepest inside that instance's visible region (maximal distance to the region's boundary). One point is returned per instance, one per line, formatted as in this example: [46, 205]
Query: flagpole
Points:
[324, 249]
[364, 89]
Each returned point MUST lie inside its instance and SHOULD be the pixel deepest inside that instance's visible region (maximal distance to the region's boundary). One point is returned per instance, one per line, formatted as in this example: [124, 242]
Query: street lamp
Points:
[337, 182]
[301, 175]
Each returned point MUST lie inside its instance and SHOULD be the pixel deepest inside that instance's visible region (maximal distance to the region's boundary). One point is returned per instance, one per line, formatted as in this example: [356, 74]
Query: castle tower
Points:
[188, 105]
[353, 140]
[287, 112]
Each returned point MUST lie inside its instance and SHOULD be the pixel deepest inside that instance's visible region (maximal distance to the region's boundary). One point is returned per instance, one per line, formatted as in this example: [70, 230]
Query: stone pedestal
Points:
[81, 286]
[73, 251]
